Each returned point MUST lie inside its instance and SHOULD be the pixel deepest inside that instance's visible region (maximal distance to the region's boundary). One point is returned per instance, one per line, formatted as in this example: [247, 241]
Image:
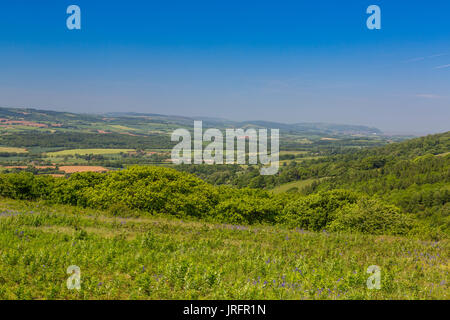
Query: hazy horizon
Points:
[200, 117]
[288, 62]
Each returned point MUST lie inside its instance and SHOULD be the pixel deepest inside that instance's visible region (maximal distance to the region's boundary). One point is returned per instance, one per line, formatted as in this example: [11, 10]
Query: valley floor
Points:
[161, 258]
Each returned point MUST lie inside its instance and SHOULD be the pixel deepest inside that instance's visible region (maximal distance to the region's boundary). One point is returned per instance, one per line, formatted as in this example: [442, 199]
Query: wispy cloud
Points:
[425, 57]
[429, 96]
[443, 66]
[438, 55]
[414, 59]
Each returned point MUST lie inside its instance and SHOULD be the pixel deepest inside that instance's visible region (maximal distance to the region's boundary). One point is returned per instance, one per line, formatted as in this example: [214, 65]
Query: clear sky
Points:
[287, 61]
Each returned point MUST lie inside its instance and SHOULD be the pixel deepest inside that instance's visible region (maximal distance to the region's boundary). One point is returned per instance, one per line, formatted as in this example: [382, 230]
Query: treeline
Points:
[215, 174]
[158, 190]
[431, 144]
[12, 154]
[420, 186]
[78, 140]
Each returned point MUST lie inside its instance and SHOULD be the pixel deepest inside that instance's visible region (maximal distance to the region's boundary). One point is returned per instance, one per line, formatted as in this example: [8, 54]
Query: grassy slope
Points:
[161, 258]
[294, 184]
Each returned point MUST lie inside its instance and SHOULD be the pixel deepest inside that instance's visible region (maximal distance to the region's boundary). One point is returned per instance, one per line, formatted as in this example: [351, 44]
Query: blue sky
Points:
[287, 61]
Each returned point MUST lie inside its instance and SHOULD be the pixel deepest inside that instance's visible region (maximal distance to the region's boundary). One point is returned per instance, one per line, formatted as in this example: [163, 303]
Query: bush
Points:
[371, 216]
[247, 209]
[75, 190]
[316, 211]
[25, 186]
[155, 190]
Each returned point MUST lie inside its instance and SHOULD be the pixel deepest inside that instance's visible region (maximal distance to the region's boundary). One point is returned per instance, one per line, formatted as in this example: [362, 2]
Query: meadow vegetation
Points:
[138, 256]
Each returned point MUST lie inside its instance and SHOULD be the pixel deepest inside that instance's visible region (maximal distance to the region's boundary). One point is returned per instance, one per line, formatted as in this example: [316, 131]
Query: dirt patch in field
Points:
[23, 123]
[329, 139]
[73, 169]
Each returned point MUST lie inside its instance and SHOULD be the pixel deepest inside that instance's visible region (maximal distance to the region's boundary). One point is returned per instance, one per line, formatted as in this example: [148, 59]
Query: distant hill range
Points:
[55, 119]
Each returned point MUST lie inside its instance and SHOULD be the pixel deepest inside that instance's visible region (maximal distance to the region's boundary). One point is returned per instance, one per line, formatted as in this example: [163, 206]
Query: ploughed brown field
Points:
[73, 169]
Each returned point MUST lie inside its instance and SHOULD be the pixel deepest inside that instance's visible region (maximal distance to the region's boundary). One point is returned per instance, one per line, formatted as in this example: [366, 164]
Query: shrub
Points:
[371, 216]
[314, 212]
[247, 209]
[74, 190]
[25, 186]
[155, 190]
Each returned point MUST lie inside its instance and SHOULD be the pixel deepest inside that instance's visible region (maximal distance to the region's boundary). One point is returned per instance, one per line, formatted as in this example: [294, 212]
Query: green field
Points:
[284, 152]
[161, 258]
[87, 151]
[120, 127]
[294, 184]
